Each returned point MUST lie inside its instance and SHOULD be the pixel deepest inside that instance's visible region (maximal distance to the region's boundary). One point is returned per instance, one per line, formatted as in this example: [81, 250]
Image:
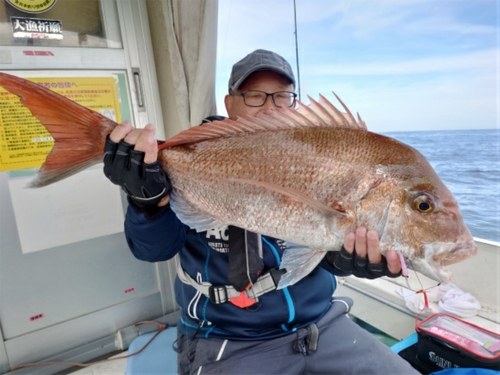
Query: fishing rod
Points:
[296, 47]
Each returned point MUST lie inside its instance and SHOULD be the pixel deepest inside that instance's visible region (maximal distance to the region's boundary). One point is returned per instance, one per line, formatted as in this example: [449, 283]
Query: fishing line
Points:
[419, 281]
[418, 278]
[421, 290]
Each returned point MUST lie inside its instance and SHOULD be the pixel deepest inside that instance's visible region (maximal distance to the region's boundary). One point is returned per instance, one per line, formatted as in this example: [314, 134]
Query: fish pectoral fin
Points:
[299, 262]
[296, 195]
[191, 216]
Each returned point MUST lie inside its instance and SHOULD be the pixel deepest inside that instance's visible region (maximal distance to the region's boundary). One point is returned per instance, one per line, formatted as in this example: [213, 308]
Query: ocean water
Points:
[468, 162]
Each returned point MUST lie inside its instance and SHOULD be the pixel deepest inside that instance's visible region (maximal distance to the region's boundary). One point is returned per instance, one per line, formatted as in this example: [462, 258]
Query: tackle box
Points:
[445, 341]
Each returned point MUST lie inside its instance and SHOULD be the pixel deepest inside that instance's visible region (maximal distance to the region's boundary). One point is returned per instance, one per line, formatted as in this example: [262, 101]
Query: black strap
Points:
[245, 257]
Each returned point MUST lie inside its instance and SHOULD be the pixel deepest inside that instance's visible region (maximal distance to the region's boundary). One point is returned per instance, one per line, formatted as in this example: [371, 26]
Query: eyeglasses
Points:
[257, 98]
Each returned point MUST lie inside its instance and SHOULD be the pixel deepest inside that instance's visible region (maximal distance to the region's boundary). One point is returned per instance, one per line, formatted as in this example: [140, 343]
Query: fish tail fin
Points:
[79, 133]
[299, 262]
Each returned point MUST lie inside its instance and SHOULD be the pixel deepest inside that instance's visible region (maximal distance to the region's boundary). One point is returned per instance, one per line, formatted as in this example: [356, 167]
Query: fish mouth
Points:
[457, 253]
[440, 255]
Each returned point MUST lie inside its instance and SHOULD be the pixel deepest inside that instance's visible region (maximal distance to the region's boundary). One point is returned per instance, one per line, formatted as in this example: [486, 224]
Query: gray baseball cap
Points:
[259, 60]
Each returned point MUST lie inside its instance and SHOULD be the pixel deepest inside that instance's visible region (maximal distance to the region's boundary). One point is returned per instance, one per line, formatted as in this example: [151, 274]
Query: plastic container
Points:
[445, 341]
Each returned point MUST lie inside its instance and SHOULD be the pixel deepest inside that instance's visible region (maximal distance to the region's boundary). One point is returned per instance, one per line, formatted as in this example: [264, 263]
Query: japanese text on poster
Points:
[24, 142]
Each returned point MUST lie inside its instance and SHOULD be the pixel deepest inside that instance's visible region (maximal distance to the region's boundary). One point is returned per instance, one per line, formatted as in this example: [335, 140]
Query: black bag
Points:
[448, 342]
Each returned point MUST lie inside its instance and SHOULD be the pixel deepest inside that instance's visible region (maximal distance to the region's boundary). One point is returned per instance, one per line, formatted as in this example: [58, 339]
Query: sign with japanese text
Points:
[32, 6]
[36, 28]
[24, 142]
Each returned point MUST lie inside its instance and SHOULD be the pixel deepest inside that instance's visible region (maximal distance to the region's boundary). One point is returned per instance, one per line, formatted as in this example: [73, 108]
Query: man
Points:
[227, 327]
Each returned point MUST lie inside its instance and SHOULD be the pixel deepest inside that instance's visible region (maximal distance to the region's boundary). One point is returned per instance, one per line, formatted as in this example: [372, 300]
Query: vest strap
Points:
[224, 293]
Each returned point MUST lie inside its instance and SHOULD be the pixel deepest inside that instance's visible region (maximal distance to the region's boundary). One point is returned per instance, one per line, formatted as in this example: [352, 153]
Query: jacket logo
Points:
[220, 237]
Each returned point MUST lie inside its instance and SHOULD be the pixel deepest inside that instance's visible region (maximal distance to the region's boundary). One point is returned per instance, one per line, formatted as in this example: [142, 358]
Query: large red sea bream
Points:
[307, 176]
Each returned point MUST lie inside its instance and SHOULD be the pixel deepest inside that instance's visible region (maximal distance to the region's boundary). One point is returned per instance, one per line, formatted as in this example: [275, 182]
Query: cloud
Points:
[447, 103]
[438, 64]
[369, 18]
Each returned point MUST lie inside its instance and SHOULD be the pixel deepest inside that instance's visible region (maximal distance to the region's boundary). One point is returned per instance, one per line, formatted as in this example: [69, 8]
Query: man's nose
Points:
[268, 106]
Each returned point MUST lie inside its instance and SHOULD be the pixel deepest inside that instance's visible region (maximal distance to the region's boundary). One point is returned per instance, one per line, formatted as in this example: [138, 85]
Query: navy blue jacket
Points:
[204, 256]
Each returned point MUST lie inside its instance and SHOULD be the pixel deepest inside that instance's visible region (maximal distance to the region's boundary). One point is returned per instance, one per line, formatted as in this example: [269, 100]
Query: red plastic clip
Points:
[242, 301]
[426, 300]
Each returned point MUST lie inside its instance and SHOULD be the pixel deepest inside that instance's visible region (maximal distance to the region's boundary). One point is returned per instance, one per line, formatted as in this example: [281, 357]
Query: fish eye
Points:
[424, 204]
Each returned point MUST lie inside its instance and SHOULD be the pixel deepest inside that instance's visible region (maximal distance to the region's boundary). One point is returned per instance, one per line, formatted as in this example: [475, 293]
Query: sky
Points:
[403, 65]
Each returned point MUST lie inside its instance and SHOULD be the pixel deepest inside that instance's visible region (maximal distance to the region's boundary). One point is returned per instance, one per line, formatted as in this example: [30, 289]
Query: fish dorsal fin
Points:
[330, 115]
[320, 113]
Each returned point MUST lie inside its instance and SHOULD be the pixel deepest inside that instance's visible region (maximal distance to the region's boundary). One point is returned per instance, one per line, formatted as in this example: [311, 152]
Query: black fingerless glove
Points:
[145, 184]
[359, 267]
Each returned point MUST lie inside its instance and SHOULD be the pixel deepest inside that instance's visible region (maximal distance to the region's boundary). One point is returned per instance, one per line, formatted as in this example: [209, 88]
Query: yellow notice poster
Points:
[24, 142]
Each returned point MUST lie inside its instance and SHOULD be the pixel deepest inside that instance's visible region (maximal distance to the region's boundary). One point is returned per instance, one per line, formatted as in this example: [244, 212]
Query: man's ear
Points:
[228, 102]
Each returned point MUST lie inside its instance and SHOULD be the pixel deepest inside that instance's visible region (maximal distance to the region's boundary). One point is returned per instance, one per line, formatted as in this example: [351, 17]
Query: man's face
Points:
[265, 80]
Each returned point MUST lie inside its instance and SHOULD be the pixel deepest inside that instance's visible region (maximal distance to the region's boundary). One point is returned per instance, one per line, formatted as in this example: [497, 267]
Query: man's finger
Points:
[146, 142]
[121, 131]
[164, 201]
[393, 262]
[361, 242]
[373, 247]
[349, 240]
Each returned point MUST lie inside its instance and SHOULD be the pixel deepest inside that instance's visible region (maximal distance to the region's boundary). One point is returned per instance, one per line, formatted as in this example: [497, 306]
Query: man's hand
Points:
[361, 256]
[143, 139]
[130, 161]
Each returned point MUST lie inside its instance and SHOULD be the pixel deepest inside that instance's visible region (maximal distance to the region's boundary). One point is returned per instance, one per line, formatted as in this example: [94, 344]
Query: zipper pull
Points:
[300, 346]
[200, 324]
[303, 347]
